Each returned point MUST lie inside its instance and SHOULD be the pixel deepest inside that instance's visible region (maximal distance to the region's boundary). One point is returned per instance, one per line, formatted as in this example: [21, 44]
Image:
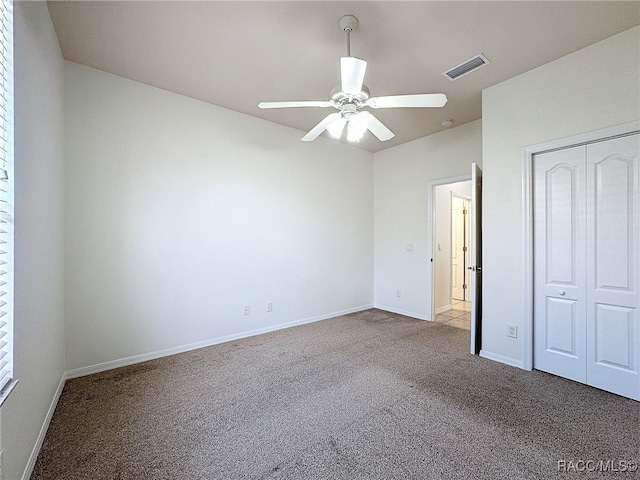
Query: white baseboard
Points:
[28, 470]
[399, 311]
[123, 362]
[443, 309]
[501, 358]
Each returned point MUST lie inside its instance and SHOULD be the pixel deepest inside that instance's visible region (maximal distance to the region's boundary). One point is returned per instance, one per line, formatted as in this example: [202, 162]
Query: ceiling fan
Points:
[351, 96]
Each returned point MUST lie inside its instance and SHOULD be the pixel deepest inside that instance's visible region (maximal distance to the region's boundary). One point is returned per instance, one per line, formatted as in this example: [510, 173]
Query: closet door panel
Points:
[614, 334]
[613, 265]
[559, 275]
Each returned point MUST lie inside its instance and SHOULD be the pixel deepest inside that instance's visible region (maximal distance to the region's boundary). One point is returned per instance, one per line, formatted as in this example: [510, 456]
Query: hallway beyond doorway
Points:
[459, 316]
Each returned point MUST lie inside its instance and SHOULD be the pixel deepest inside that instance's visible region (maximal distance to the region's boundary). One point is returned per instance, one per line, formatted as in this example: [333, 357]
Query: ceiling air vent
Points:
[467, 67]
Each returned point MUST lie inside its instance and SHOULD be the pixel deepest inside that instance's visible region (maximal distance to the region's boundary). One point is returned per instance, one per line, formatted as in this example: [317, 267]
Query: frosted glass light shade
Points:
[335, 128]
[356, 128]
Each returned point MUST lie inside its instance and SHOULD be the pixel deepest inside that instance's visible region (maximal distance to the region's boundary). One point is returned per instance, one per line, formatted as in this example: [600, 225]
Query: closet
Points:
[586, 225]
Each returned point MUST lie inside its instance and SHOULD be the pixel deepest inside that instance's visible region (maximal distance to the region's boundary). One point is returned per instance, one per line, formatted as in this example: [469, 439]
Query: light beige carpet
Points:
[370, 395]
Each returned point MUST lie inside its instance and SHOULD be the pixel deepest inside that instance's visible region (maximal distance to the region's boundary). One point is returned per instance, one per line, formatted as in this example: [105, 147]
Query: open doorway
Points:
[451, 299]
[439, 224]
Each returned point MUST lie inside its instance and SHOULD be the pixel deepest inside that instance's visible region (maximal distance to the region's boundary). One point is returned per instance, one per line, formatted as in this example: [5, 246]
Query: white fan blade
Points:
[309, 103]
[419, 100]
[376, 127]
[352, 72]
[320, 127]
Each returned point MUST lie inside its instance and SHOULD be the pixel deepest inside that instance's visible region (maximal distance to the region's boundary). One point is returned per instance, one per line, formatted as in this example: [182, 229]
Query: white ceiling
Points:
[236, 54]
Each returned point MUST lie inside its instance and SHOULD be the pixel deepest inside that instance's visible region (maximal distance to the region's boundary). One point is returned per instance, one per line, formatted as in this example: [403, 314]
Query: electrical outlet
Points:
[398, 293]
[512, 331]
[269, 306]
[247, 310]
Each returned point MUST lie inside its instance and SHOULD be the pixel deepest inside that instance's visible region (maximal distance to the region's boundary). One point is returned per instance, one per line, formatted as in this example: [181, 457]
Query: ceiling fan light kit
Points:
[352, 95]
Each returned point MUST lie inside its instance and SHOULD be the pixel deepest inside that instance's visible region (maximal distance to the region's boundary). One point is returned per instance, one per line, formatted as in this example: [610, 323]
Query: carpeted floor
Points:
[371, 395]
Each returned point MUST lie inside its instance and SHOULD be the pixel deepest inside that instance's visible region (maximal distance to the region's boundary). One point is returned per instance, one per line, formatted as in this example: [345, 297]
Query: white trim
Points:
[527, 215]
[28, 469]
[123, 362]
[496, 357]
[527, 267]
[5, 391]
[406, 313]
[465, 242]
[442, 309]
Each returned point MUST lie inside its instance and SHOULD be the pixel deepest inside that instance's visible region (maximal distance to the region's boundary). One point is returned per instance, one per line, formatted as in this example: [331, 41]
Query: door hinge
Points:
[464, 286]
[464, 211]
[464, 249]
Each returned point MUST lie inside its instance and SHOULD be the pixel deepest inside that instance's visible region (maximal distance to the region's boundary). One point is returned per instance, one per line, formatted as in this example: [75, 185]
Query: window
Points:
[7, 382]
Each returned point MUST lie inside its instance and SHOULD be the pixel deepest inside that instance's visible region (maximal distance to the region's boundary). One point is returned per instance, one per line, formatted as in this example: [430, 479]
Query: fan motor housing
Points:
[349, 110]
[338, 96]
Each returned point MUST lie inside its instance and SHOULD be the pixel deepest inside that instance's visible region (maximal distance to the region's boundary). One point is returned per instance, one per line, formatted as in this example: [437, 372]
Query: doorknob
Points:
[561, 292]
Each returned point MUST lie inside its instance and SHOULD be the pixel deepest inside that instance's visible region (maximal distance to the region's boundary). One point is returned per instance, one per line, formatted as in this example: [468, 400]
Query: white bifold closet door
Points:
[587, 264]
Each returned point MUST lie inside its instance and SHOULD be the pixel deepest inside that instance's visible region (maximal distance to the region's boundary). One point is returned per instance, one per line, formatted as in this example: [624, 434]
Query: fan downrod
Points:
[348, 24]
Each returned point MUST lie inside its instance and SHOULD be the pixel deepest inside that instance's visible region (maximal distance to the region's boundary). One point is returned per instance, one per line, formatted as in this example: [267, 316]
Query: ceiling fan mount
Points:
[348, 23]
[352, 95]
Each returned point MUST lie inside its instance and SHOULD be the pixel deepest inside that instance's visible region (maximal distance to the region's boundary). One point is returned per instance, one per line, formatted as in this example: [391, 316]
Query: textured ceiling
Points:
[236, 54]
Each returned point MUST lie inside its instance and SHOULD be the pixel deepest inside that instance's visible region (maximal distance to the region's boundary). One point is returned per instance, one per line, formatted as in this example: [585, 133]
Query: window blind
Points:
[6, 199]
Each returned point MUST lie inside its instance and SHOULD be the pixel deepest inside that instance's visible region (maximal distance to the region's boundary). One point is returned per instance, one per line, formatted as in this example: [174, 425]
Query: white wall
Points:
[39, 197]
[588, 90]
[442, 248]
[179, 213]
[401, 188]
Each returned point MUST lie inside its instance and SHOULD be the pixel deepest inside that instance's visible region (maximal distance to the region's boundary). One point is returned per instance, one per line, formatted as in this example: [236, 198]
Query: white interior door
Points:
[613, 266]
[458, 247]
[587, 264]
[559, 267]
[475, 267]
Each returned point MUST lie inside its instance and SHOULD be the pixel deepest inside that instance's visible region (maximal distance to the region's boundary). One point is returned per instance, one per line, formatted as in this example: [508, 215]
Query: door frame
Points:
[467, 240]
[528, 153]
[431, 227]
